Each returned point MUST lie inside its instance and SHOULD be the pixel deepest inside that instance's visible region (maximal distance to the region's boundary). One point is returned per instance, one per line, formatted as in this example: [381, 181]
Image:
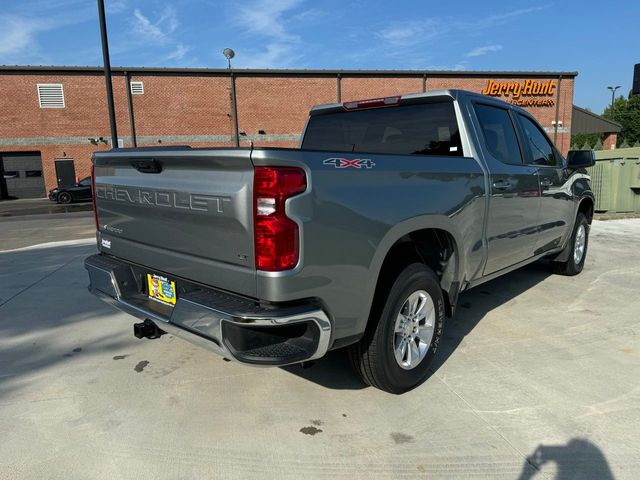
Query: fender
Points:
[563, 256]
[451, 282]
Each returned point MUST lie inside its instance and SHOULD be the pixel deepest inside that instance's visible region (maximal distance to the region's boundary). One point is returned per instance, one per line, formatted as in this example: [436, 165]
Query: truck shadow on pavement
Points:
[475, 304]
[579, 458]
[333, 371]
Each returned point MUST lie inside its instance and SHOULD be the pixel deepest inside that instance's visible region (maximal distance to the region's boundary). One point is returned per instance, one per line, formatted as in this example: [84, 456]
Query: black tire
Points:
[64, 197]
[570, 267]
[373, 356]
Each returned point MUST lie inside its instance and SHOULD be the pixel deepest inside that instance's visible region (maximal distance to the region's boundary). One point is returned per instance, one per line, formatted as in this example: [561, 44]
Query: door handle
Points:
[501, 185]
[546, 183]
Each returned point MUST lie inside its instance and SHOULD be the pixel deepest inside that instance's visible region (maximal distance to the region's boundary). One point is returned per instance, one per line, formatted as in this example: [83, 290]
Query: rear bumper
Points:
[235, 327]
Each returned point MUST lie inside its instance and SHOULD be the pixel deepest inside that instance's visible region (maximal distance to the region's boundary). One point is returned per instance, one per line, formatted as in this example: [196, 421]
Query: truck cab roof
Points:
[408, 98]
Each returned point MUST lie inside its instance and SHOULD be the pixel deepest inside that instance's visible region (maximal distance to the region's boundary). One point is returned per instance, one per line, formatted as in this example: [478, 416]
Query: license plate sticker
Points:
[161, 289]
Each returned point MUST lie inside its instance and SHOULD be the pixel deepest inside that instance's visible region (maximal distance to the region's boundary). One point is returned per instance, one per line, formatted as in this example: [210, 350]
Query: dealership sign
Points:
[534, 91]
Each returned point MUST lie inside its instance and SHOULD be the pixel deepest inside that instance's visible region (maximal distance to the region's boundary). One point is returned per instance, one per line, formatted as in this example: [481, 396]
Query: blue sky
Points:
[598, 39]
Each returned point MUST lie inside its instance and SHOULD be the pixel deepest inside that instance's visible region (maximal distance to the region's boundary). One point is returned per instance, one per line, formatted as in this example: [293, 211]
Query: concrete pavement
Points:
[23, 231]
[537, 378]
[39, 206]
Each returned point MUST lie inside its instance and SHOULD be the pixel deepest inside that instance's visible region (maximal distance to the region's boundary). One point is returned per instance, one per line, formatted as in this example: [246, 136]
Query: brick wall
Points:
[280, 106]
[359, 88]
[85, 112]
[182, 106]
[610, 141]
[196, 110]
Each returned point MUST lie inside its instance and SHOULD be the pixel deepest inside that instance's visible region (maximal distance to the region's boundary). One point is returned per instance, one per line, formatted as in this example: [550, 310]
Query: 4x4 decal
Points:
[346, 163]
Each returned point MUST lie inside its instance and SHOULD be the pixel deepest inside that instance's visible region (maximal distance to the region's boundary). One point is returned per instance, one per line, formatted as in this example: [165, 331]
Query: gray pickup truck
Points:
[362, 238]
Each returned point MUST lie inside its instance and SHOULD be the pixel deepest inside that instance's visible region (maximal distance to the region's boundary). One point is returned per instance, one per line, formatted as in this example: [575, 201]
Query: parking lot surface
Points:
[537, 378]
[39, 206]
[29, 230]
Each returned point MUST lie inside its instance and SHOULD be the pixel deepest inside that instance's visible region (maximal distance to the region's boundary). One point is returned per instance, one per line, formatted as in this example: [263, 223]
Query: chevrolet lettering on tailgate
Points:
[160, 198]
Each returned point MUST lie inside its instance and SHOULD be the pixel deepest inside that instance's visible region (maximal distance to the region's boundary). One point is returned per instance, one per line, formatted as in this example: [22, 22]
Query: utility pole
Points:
[107, 74]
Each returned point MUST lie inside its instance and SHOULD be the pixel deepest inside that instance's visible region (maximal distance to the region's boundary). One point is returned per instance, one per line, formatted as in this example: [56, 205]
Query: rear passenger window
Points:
[499, 134]
[422, 129]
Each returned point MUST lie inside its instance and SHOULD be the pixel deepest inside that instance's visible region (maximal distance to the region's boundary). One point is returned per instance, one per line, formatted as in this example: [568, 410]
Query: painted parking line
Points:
[62, 243]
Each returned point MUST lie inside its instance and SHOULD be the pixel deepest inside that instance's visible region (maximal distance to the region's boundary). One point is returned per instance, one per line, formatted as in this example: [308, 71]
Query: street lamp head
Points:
[228, 54]
[613, 95]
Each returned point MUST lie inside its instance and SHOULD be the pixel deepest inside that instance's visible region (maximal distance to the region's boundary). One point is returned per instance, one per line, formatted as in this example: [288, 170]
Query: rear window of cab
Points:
[418, 129]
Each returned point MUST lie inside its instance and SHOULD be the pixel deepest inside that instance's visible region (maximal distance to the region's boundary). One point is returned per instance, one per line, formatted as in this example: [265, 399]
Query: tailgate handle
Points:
[150, 165]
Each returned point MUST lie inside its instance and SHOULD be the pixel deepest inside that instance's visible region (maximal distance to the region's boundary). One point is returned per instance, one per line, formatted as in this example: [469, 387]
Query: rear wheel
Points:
[64, 197]
[578, 243]
[399, 346]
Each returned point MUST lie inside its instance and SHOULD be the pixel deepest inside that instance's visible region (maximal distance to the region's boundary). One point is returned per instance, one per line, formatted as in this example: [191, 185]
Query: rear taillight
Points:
[276, 236]
[93, 196]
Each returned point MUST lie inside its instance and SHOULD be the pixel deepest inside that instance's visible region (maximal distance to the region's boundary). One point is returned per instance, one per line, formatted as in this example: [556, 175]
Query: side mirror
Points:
[581, 159]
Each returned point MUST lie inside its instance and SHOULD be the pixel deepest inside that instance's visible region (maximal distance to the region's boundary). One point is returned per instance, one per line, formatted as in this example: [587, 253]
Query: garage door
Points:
[23, 174]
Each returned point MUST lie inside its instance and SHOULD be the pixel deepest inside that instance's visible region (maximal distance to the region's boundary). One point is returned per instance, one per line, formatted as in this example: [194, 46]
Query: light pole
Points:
[613, 95]
[107, 74]
[229, 54]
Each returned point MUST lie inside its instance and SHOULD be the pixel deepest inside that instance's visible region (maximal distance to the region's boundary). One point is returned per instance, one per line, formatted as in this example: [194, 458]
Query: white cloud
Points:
[311, 15]
[157, 32]
[502, 18]
[275, 55]
[142, 37]
[419, 38]
[266, 17]
[116, 7]
[479, 51]
[177, 53]
[405, 34]
[17, 34]
[157, 37]
[272, 20]
[493, 21]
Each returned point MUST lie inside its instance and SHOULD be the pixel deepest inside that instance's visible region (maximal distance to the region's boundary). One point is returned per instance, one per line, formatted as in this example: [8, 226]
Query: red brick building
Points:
[59, 114]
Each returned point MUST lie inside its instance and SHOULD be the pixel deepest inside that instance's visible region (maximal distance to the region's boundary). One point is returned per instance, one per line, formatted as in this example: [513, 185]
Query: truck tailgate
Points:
[180, 211]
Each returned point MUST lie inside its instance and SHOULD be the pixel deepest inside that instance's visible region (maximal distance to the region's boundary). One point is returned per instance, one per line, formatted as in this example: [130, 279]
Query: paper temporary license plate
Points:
[161, 289]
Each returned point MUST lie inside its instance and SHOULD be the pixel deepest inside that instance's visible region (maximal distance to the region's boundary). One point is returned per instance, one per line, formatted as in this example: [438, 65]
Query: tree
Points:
[582, 139]
[627, 113]
[598, 145]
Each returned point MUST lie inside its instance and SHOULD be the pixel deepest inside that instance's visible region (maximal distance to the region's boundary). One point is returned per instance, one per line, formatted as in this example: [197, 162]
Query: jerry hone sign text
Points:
[532, 89]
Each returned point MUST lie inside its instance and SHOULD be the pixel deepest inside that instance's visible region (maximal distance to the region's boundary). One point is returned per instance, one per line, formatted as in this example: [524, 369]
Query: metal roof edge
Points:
[30, 69]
